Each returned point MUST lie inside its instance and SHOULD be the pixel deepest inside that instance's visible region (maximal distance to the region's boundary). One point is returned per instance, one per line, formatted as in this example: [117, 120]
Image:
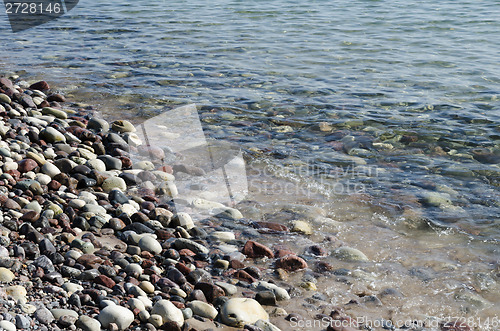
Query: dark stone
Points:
[112, 163]
[30, 249]
[80, 222]
[105, 281]
[41, 86]
[30, 216]
[86, 182]
[26, 101]
[97, 221]
[81, 169]
[171, 254]
[197, 295]
[130, 179]
[198, 275]
[65, 165]
[116, 224]
[56, 97]
[117, 196]
[74, 300]
[198, 232]
[316, 250]
[71, 272]
[211, 291]
[45, 263]
[99, 148]
[139, 228]
[266, 298]
[271, 226]
[176, 276]
[54, 185]
[244, 276]
[139, 217]
[46, 247]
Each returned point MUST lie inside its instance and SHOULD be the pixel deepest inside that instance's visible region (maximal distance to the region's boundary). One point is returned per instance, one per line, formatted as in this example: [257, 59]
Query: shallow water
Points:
[408, 155]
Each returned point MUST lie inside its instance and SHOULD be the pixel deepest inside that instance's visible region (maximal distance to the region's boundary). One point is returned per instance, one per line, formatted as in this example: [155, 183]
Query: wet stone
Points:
[266, 298]
[122, 126]
[291, 263]
[112, 163]
[254, 249]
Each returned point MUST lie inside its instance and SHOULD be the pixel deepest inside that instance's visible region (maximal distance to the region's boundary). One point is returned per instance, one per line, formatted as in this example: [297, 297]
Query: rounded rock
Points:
[51, 135]
[168, 312]
[87, 323]
[202, 309]
[240, 311]
[118, 315]
[349, 254]
[6, 276]
[50, 170]
[148, 243]
[114, 182]
[7, 326]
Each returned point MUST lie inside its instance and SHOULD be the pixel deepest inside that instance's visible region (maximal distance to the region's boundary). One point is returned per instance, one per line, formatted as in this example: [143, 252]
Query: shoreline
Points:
[161, 267]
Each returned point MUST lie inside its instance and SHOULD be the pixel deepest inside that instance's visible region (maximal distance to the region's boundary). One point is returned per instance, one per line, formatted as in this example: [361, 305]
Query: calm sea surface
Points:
[396, 100]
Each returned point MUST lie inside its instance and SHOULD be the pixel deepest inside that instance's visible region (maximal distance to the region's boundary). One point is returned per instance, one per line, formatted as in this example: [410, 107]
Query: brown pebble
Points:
[186, 252]
[211, 291]
[271, 225]
[41, 86]
[89, 260]
[235, 264]
[197, 295]
[104, 280]
[11, 204]
[254, 249]
[146, 255]
[30, 216]
[54, 185]
[26, 165]
[56, 97]
[291, 263]
[185, 270]
[283, 252]
[243, 275]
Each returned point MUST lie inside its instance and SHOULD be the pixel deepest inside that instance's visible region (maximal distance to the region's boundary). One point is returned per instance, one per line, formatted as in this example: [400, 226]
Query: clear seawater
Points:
[408, 92]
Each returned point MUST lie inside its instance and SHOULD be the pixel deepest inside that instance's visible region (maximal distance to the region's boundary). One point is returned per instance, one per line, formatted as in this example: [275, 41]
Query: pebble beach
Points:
[91, 239]
[91, 242]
